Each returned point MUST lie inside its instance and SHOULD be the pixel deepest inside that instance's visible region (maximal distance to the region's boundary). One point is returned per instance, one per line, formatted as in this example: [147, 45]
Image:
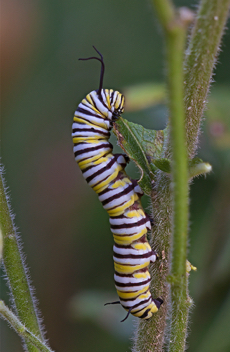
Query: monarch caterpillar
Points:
[119, 195]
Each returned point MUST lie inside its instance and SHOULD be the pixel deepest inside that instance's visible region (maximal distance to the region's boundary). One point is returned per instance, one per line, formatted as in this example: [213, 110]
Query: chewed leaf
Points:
[142, 146]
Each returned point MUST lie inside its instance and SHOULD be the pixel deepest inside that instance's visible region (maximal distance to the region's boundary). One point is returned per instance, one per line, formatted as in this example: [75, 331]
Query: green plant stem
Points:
[149, 336]
[200, 60]
[165, 12]
[175, 34]
[22, 331]
[1, 245]
[175, 44]
[16, 273]
[199, 64]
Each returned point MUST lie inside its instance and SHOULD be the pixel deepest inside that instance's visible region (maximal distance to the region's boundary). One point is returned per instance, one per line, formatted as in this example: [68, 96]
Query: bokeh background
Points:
[64, 229]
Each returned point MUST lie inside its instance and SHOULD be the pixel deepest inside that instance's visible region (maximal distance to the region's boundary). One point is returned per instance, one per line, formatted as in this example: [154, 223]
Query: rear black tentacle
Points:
[116, 302]
[127, 315]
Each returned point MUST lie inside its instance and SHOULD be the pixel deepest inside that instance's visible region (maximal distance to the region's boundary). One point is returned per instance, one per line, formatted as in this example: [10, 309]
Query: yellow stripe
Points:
[139, 314]
[81, 120]
[101, 124]
[103, 159]
[120, 183]
[128, 239]
[134, 213]
[93, 142]
[118, 101]
[141, 246]
[89, 100]
[121, 209]
[88, 162]
[142, 275]
[88, 97]
[128, 269]
[128, 295]
[108, 98]
[84, 139]
[153, 309]
[104, 184]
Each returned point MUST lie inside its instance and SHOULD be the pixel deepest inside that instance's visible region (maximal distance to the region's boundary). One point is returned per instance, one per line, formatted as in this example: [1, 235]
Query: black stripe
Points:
[101, 100]
[118, 195]
[137, 304]
[100, 171]
[129, 226]
[131, 284]
[111, 97]
[133, 256]
[119, 177]
[90, 130]
[86, 112]
[145, 313]
[91, 99]
[105, 145]
[121, 102]
[142, 302]
[131, 275]
[130, 246]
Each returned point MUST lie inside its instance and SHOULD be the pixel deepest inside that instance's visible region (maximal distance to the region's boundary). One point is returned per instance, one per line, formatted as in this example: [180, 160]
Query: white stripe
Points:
[130, 231]
[132, 288]
[92, 153]
[132, 261]
[131, 280]
[125, 220]
[104, 175]
[103, 110]
[94, 120]
[143, 306]
[96, 168]
[134, 302]
[88, 127]
[118, 202]
[126, 251]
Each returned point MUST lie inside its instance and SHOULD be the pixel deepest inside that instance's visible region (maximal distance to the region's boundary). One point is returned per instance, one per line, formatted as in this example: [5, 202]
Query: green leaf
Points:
[142, 146]
[163, 164]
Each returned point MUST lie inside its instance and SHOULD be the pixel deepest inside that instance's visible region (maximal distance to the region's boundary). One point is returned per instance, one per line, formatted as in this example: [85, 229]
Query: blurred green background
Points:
[64, 229]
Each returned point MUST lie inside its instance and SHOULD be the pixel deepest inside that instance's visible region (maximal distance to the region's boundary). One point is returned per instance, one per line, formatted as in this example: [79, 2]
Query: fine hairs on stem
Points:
[17, 274]
[186, 105]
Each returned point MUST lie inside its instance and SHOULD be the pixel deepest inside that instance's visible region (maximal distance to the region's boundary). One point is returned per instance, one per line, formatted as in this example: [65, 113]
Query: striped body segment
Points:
[120, 197]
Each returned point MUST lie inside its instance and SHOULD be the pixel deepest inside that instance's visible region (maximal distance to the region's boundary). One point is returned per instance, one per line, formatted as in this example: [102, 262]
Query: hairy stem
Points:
[175, 33]
[199, 64]
[175, 43]
[22, 331]
[16, 273]
[200, 60]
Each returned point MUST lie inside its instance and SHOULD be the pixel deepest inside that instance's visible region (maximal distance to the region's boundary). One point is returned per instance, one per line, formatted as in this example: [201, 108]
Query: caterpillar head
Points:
[115, 102]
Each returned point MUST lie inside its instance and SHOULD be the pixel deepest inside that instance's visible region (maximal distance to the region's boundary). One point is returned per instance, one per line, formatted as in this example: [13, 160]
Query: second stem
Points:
[175, 42]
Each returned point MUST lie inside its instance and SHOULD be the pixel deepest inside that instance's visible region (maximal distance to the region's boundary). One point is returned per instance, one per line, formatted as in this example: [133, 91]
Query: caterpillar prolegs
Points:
[119, 195]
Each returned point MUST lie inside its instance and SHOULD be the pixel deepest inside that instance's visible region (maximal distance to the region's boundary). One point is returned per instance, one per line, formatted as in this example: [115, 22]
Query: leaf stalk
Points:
[22, 331]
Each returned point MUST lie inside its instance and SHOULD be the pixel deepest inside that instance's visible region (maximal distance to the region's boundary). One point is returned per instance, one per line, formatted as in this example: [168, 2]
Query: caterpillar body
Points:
[119, 195]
